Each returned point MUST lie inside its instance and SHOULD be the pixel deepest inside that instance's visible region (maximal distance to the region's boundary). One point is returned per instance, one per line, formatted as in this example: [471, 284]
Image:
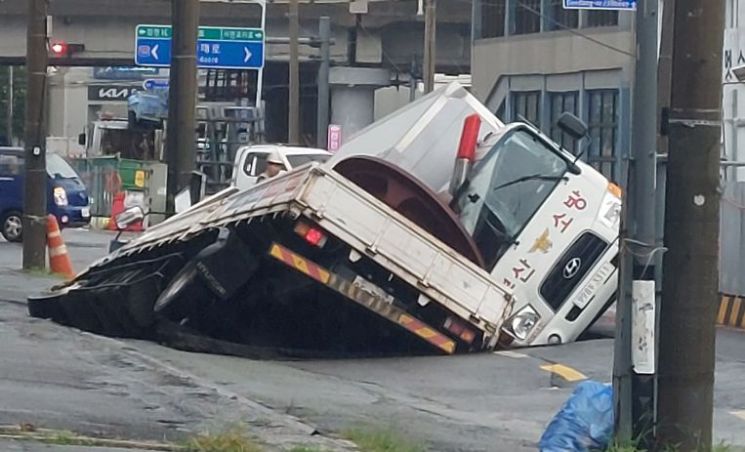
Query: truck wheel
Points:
[12, 226]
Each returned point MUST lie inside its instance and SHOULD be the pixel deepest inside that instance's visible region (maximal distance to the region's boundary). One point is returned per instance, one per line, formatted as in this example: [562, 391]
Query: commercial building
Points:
[533, 59]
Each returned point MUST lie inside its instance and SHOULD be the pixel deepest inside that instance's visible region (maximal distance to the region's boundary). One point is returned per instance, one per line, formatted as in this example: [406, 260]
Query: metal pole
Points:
[180, 142]
[690, 281]
[635, 385]
[35, 186]
[430, 55]
[412, 80]
[293, 120]
[324, 33]
[9, 111]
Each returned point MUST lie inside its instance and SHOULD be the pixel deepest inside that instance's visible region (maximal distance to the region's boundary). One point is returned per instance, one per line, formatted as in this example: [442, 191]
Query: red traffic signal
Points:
[58, 48]
[61, 49]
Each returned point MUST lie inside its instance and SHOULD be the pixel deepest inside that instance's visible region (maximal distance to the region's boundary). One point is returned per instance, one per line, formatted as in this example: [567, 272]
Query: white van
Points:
[250, 161]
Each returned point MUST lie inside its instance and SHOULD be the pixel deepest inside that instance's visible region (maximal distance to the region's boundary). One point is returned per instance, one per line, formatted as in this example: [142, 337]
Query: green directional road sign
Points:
[217, 47]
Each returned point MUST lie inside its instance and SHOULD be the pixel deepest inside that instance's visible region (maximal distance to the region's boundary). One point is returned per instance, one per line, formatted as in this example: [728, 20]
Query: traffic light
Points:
[62, 49]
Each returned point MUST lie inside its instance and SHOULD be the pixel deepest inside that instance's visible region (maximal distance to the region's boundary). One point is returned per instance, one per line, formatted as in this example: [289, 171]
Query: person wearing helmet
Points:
[274, 166]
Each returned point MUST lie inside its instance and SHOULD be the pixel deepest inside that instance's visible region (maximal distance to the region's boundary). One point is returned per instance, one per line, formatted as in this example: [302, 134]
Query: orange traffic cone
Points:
[117, 207]
[59, 261]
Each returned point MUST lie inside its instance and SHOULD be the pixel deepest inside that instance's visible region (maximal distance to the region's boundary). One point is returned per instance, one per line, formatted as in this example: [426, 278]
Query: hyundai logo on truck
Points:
[572, 268]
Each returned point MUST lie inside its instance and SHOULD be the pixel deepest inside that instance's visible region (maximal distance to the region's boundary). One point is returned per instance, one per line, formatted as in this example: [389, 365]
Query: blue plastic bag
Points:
[585, 421]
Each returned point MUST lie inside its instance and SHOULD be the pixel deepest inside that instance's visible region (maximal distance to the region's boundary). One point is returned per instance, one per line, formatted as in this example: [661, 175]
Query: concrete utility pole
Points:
[633, 381]
[690, 281]
[182, 97]
[430, 54]
[293, 120]
[324, 34]
[9, 108]
[35, 185]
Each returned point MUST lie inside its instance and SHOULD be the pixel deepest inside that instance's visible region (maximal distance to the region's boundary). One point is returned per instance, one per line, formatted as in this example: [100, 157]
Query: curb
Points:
[731, 312]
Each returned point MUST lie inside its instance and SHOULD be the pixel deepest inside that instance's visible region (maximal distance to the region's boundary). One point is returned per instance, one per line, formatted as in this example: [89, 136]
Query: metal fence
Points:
[732, 240]
[106, 176]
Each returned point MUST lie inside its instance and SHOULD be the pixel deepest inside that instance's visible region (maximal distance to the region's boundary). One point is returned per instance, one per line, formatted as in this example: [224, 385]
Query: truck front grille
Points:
[571, 268]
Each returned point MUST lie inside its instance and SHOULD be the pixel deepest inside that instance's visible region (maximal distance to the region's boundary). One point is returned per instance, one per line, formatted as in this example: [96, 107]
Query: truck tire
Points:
[12, 226]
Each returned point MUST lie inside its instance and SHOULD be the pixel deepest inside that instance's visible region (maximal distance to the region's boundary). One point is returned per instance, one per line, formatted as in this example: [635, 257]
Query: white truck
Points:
[356, 254]
[250, 161]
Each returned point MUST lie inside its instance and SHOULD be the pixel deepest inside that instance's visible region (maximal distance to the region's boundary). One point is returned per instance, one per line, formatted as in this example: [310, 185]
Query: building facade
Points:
[533, 60]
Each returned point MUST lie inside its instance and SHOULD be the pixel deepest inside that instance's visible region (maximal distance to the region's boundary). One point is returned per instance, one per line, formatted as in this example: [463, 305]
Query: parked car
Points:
[67, 198]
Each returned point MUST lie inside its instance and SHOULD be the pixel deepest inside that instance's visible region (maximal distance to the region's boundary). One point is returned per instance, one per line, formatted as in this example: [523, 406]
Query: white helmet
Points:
[274, 157]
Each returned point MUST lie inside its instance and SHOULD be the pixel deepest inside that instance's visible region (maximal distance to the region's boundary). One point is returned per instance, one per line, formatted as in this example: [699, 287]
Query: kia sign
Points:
[111, 92]
[334, 138]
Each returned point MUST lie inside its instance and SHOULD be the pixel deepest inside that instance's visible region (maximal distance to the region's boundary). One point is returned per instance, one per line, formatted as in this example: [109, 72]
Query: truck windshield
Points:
[506, 189]
[58, 168]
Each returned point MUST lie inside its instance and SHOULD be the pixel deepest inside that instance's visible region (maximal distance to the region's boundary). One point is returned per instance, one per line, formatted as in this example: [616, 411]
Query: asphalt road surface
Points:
[499, 401]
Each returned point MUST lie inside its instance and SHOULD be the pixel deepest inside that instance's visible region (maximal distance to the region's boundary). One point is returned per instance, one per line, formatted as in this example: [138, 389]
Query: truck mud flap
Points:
[368, 300]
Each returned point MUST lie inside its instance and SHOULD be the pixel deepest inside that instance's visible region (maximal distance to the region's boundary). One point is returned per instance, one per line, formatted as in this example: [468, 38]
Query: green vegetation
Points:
[234, 439]
[382, 441]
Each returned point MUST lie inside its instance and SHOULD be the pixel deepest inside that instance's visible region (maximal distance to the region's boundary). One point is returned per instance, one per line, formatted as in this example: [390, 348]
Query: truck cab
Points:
[547, 227]
[250, 161]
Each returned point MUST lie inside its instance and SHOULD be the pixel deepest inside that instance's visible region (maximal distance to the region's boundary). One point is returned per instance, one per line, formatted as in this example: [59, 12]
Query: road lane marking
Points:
[740, 414]
[565, 372]
[511, 354]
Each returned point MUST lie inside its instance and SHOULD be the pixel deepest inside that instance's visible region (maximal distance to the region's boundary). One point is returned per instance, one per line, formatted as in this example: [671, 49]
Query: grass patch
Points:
[382, 441]
[231, 440]
[307, 449]
[722, 447]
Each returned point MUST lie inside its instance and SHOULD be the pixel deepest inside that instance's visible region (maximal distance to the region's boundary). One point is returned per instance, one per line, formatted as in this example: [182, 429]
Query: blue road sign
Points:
[217, 47]
[626, 5]
[155, 83]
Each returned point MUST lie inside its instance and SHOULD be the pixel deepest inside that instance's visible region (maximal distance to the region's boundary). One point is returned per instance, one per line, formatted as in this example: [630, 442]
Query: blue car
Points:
[67, 198]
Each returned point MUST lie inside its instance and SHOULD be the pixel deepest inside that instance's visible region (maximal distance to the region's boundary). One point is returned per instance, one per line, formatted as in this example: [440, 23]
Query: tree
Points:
[19, 100]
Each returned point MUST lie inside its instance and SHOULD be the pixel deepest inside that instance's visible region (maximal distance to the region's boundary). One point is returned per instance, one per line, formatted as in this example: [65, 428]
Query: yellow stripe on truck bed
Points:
[365, 298]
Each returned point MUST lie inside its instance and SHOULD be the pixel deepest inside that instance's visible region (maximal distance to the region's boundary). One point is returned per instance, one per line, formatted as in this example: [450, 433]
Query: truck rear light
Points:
[459, 329]
[313, 236]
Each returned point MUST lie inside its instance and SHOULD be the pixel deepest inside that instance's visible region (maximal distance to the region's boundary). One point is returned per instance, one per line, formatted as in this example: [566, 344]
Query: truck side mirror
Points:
[572, 125]
[81, 139]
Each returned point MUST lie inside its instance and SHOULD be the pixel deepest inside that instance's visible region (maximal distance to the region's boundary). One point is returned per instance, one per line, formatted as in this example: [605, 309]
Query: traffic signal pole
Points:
[35, 181]
[182, 98]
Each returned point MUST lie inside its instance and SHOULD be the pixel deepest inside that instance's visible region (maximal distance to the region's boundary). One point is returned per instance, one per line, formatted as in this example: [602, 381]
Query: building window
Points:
[562, 18]
[527, 16]
[602, 120]
[602, 18]
[560, 103]
[492, 18]
[526, 106]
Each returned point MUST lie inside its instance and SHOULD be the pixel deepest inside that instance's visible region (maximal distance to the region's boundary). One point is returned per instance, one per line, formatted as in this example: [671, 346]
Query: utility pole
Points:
[9, 108]
[324, 34]
[634, 381]
[35, 185]
[293, 120]
[430, 54]
[180, 142]
[690, 280]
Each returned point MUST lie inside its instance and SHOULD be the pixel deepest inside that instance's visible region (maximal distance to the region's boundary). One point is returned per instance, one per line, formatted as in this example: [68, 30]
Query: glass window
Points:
[492, 18]
[58, 168]
[602, 18]
[11, 165]
[509, 185]
[560, 103]
[603, 123]
[561, 18]
[526, 106]
[527, 16]
[302, 159]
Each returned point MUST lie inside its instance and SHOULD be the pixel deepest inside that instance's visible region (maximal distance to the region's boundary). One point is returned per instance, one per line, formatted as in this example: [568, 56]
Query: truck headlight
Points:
[521, 324]
[60, 196]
